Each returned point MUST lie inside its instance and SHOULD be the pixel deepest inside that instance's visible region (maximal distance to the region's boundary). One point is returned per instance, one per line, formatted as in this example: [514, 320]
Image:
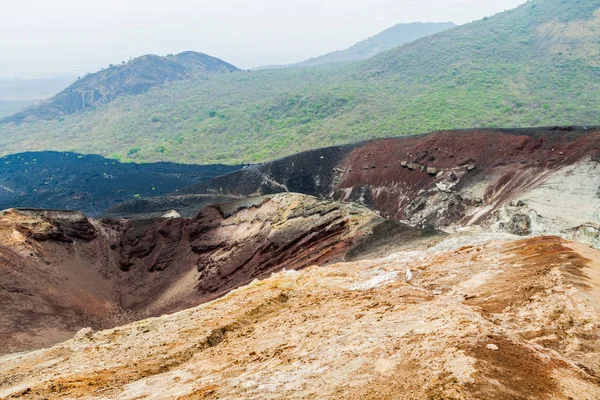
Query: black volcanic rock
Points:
[313, 173]
[135, 77]
[90, 183]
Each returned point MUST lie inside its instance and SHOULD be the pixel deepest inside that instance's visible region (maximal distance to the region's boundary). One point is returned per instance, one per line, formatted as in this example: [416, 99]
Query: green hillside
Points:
[533, 66]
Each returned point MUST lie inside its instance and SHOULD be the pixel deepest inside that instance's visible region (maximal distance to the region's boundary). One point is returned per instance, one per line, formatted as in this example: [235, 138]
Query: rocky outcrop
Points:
[134, 77]
[60, 271]
[59, 226]
[233, 243]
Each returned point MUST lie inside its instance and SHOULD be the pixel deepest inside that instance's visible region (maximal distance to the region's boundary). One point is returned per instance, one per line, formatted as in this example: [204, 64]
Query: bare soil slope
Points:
[500, 319]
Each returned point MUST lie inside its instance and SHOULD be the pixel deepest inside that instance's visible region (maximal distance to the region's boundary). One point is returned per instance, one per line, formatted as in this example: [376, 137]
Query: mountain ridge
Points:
[134, 77]
[390, 38]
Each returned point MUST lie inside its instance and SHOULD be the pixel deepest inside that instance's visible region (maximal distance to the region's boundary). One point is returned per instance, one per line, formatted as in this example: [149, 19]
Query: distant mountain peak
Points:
[134, 77]
[395, 36]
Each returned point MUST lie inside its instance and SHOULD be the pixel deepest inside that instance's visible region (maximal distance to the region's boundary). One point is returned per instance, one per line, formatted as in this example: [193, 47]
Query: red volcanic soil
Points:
[389, 174]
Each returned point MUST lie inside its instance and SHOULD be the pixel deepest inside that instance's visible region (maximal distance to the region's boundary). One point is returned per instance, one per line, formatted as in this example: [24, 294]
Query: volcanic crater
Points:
[459, 264]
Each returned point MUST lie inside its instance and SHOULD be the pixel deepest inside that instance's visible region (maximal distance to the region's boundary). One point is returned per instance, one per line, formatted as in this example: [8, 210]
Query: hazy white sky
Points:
[84, 35]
